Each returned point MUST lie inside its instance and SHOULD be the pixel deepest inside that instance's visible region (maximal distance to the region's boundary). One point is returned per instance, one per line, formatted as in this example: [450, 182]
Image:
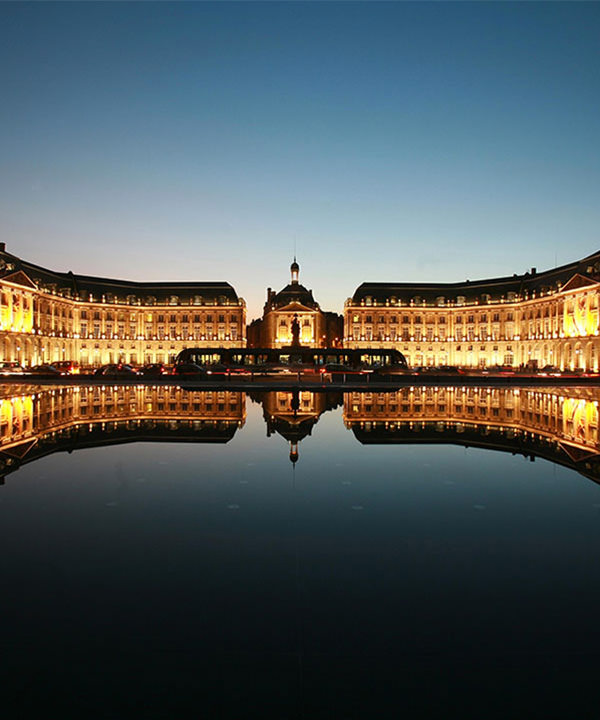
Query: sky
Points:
[383, 141]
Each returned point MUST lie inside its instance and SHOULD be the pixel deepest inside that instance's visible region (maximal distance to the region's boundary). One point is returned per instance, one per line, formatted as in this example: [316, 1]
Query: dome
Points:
[294, 293]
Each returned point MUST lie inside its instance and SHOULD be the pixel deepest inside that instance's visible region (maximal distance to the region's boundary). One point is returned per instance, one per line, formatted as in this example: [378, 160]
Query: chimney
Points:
[533, 271]
[2, 247]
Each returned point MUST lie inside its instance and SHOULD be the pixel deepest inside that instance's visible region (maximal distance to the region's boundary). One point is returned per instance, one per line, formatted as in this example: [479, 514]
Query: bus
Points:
[293, 359]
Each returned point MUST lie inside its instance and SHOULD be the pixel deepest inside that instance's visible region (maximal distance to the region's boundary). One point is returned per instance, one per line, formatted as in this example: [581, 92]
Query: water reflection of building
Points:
[39, 421]
[294, 414]
[560, 425]
[290, 308]
[47, 316]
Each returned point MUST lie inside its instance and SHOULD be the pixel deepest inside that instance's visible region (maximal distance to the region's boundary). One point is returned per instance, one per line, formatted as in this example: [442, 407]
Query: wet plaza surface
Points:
[420, 552]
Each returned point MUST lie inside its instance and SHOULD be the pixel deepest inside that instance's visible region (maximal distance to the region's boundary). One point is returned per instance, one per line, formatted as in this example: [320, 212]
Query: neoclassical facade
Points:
[535, 319]
[292, 316]
[47, 316]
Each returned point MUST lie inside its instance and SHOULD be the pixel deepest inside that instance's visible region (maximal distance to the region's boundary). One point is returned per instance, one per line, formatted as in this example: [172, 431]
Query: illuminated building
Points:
[558, 424]
[47, 316]
[38, 421]
[294, 304]
[294, 414]
[535, 319]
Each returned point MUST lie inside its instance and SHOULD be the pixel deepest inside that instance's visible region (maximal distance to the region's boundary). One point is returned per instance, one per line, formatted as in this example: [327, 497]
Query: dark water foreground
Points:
[297, 555]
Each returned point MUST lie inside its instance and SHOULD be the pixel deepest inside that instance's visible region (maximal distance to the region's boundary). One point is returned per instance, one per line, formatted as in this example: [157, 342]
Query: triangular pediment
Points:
[578, 281]
[577, 454]
[20, 278]
[19, 451]
[296, 307]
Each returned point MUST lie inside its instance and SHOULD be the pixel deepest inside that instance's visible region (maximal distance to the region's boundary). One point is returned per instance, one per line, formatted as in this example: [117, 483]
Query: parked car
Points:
[10, 368]
[116, 371]
[391, 370]
[44, 369]
[551, 370]
[189, 369]
[441, 370]
[66, 367]
[153, 370]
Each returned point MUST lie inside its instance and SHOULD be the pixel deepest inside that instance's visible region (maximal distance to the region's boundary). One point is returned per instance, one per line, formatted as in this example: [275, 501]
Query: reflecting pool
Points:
[420, 552]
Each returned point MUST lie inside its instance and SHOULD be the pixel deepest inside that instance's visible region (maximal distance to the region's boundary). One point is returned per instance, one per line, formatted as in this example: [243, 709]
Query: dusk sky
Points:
[389, 142]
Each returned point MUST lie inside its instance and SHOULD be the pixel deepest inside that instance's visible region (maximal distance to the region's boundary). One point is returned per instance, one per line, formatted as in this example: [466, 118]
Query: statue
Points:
[295, 332]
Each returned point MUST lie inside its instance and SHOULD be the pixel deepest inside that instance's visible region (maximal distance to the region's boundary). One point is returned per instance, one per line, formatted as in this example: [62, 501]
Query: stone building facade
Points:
[535, 319]
[48, 316]
[294, 304]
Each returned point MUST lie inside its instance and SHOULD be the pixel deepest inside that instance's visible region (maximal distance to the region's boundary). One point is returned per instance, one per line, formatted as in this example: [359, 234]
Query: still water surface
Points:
[321, 556]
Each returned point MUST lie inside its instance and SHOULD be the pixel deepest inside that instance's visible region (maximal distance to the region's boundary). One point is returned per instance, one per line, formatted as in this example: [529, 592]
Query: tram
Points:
[295, 359]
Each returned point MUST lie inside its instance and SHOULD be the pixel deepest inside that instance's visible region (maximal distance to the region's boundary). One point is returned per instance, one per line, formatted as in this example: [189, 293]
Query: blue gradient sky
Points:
[389, 141]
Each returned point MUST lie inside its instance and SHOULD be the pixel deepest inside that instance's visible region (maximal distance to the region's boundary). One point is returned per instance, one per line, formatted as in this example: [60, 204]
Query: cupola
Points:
[295, 269]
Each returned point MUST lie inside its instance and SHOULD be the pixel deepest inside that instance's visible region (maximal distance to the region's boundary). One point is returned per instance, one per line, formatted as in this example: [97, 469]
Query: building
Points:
[35, 422]
[535, 319]
[292, 316]
[294, 414]
[47, 316]
[557, 424]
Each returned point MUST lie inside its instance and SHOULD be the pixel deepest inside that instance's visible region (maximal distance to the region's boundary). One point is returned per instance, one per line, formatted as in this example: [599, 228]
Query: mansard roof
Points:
[588, 270]
[294, 293]
[82, 286]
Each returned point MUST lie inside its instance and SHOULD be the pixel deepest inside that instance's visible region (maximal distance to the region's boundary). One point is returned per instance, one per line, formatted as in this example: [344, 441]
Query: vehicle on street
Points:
[189, 369]
[66, 367]
[44, 369]
[116, 371]
[153, 370]
[551, 370]
[441, 370]
[10, 368]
